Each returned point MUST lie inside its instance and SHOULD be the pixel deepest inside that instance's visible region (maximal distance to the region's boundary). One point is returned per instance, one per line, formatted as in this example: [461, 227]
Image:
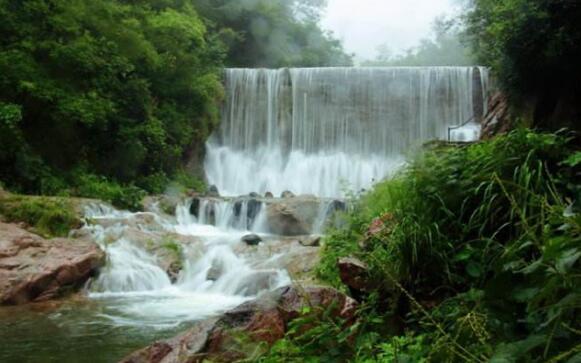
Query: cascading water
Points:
[213, 279]
[323, 131]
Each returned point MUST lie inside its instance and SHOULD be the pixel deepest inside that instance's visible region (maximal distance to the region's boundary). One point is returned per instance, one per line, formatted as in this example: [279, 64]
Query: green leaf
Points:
[474, 269]
[573, 160]
[511, 352]
[567, 260]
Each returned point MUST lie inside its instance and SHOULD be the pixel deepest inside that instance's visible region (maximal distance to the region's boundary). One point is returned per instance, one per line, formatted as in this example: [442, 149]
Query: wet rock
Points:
[311, 241]
[165, 204]
[287, 221]
[213, 192]
[283, 252]
[269, 195]
[182, 348]
[338, 206]
[195, 207]
[251, 239]
[354, 273]
[259, 322]
[287, 194]
[249, 207]
[258, 281]
[35, 269]
[215, 272]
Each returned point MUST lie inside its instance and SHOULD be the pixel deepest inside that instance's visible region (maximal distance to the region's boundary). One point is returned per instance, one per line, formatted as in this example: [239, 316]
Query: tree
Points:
[118, 88]
[444, 49]
[274, 33]
[534, 49]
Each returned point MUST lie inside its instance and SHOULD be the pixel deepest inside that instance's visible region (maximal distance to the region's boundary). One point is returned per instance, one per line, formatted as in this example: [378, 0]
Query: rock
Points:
[246, 327]
[311, 241]
[254, 195]
[354, 273]
[35, 269]
[287, 194]
[213, 192]
[286, 220]
[165, 203]
[497, 119]
[379, 227]
[251, 239]
[251, 207]
[195, 207]
[269, 195]
[283, 252]
[176, 349]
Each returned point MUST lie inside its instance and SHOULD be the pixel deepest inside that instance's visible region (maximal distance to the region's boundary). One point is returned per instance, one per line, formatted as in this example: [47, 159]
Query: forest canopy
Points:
[123, 90]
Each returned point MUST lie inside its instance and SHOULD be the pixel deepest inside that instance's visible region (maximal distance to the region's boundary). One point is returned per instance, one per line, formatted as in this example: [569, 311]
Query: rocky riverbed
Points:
[194, 265]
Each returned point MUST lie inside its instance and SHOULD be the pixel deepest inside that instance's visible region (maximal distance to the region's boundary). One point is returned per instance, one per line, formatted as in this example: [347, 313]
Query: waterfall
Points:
[324, 131]
[214, 278]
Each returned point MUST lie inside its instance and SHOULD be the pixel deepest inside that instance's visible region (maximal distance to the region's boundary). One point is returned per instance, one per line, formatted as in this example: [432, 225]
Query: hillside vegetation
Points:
[109, 98]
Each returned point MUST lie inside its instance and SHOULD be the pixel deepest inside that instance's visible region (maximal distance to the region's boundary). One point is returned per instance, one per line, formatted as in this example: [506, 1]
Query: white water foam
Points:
[213, 280]
[325, 131]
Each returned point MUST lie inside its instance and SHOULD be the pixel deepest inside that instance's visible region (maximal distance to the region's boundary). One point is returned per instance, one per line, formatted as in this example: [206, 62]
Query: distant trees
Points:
[534, 48]
[274, 33]
[444, 49]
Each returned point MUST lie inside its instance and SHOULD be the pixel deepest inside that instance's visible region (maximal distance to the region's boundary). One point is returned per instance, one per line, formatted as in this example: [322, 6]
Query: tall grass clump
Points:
[476, 256]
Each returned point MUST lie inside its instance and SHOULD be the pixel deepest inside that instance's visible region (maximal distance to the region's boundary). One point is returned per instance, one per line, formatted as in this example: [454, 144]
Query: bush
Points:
[479, 250]
[93, 186]
[50, 217]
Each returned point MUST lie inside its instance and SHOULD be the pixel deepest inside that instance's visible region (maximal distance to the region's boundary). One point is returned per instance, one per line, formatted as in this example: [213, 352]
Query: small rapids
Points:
[213, 278]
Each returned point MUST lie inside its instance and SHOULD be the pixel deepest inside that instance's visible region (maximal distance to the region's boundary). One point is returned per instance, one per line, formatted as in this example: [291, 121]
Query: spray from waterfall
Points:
[324, 131]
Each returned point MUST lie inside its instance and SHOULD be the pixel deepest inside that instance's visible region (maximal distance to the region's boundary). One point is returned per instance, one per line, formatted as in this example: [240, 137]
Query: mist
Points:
[365, 26]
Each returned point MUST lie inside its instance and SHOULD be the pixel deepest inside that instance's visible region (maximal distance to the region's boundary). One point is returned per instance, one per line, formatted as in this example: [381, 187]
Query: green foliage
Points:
[317, 335]
[49, 217]
[533, 48]
[274, 33]
[120, 88]
[478, 251]
[125, 90]
[93, 186]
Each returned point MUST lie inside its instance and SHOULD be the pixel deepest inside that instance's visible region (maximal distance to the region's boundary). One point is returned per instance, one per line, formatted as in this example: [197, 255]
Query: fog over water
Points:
[363, 25]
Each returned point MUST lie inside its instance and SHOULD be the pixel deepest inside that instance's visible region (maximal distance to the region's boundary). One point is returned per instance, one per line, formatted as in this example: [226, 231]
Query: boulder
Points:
[287, 194]
[34, 269]
[242, 330]
[292, 217]
[354, 273]
[311, 241]
[251, 239]
[213, 192]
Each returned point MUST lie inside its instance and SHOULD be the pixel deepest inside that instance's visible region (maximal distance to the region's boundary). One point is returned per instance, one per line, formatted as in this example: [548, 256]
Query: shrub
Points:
[93, 186]
[50, 217]
[479, 250]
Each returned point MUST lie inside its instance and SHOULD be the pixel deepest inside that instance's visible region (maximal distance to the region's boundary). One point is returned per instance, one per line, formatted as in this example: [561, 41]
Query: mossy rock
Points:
[49, 217]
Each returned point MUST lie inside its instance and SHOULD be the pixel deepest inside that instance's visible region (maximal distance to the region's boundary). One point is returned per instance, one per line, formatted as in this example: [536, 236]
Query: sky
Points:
[363, 25]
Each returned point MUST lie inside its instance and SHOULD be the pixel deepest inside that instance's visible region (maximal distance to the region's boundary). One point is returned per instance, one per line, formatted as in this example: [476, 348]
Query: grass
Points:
[49, 217]
[478, 259]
